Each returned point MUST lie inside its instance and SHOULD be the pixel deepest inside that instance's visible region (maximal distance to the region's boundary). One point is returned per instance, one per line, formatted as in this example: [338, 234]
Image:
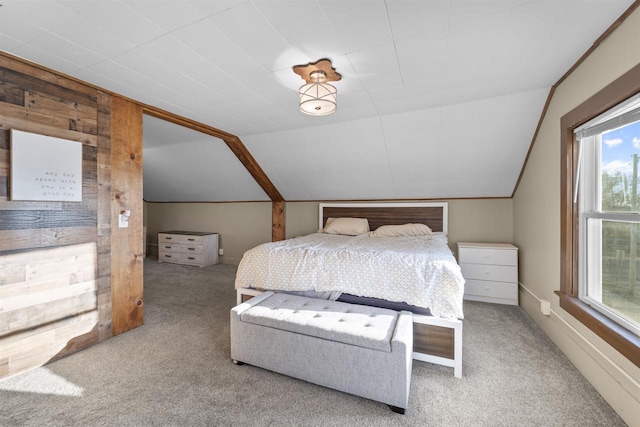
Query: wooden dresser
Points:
[188, 247]
[490, 271]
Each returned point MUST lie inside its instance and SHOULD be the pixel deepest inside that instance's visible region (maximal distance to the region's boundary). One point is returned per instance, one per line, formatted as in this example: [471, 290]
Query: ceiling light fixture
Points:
[317, 97]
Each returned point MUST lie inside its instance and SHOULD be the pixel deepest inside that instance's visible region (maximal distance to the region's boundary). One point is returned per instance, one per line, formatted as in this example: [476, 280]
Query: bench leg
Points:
[397, 409]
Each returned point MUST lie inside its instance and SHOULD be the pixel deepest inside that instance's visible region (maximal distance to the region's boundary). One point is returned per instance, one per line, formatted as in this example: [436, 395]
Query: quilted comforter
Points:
[417, 270]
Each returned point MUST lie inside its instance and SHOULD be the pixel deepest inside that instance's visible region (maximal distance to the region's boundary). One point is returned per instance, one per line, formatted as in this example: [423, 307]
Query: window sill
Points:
[615, 335]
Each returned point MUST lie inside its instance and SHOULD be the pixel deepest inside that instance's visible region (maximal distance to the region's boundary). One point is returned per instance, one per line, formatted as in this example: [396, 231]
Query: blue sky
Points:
[618, 147]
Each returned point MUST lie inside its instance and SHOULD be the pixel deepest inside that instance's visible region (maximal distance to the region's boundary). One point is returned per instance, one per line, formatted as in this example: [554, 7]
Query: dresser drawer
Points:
[497, 273]
[503, 291]
[190, 248]
[169, 247]
[179, 238]
[195, 259]
[182, 258]
[487, 256]
[168, 256]
[181, 248]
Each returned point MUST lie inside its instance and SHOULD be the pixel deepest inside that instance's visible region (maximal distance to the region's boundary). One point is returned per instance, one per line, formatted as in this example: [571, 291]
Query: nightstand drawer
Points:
[500, 292]
[497, 273]
[487, 256]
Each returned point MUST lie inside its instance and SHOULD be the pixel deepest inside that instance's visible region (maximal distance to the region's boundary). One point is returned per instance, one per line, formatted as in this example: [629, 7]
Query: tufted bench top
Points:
[363, 326]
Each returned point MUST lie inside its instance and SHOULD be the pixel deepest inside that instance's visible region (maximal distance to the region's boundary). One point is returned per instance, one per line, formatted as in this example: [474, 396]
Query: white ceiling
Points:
[178, 165]
[438, 98]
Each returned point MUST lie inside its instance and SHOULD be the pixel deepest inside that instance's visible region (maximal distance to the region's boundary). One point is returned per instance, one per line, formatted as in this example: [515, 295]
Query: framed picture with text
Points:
[44, 168]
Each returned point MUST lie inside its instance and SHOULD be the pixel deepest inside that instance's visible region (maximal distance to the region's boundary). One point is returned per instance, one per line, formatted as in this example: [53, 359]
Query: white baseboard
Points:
[612, 375]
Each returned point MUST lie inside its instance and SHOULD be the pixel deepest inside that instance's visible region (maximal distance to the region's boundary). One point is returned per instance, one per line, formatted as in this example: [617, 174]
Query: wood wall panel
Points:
[55, 276]
[82, 298]
[6, 205]
[11, 240]
[103, 158]
[50, 110]
[37, 346]
[29, 77]
[80, 117]
[126, 190]
[46, 291]
[11, 94]
[19, 117]
[19, 220]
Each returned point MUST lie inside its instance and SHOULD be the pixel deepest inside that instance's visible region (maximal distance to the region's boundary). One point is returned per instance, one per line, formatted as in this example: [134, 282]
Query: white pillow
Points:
[329, 220]
[402, 230]
[347, 226]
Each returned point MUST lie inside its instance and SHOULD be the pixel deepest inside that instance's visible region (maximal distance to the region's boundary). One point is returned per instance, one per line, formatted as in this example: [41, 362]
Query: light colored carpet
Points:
[175, 371]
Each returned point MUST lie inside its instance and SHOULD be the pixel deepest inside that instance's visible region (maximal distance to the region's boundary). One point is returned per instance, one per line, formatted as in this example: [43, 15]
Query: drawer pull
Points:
[191, 257]
[191, 240]
[167, 256]
[168, 238]
[167, 247]
[192, 249]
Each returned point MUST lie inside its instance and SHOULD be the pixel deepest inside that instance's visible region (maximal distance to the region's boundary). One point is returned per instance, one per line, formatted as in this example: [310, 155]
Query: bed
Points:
[416, 273]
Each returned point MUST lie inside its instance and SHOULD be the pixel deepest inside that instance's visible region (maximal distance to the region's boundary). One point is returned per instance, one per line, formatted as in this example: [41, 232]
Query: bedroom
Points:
[529, 219]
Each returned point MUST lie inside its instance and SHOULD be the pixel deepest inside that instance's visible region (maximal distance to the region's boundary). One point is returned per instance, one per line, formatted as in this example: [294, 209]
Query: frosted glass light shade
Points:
[318, 99]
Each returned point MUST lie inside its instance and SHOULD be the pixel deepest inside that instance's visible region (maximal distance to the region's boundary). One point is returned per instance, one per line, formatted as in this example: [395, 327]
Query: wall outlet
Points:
[545, 307]
[220, 251]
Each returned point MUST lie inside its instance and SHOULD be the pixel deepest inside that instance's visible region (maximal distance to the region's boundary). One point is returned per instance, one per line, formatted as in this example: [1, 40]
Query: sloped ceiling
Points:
[438, 98]
[178, 162]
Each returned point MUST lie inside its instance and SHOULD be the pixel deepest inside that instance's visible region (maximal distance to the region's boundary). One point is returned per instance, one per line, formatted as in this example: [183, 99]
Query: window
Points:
[609, 214]
[598, 220]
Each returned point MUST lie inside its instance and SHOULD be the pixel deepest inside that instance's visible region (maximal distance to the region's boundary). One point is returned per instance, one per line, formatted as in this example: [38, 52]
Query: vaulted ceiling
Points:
[438, 98]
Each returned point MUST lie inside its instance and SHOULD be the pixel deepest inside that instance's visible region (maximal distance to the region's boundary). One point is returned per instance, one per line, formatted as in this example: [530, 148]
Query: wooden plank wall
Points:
[40, 302]
[48, 298]
[126, 188]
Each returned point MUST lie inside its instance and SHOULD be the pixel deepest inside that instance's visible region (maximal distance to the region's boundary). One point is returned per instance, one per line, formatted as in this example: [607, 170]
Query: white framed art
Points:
[44, 168]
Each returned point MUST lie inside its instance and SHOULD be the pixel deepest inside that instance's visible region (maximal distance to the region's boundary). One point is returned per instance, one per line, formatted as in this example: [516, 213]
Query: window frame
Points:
[623, 340]
[591, 265]
[590, 209]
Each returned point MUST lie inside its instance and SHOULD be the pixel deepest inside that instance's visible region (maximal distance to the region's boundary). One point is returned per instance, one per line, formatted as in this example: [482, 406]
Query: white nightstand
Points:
[490, 271]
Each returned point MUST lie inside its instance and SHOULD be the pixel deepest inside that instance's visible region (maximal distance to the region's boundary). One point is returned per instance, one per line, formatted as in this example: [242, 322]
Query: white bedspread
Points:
[420, 271]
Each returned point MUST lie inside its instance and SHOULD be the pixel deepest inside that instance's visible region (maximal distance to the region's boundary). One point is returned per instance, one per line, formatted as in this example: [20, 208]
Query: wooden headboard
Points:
[433, 215]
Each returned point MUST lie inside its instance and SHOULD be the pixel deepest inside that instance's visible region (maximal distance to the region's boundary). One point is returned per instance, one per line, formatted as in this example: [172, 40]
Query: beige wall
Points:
[301, 218]
[245, 225]
[537, 227]
[475, 220]
[241, 225]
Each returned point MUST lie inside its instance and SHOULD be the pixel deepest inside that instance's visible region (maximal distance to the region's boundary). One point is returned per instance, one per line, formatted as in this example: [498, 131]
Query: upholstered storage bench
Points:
[365, 351]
